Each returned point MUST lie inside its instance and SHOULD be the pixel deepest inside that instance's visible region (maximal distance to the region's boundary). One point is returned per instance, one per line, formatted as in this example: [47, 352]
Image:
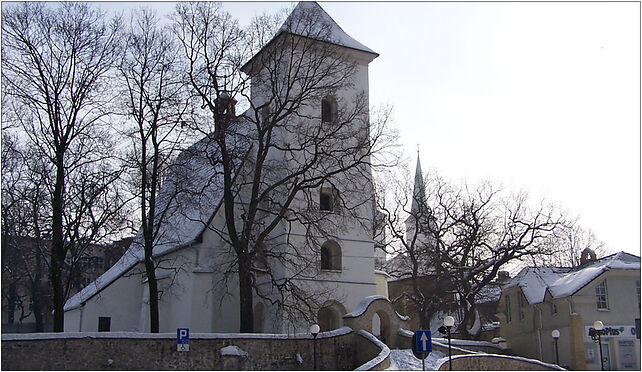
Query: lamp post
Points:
[449, 321]
[314, 329]
[556, 335]
[599, 326]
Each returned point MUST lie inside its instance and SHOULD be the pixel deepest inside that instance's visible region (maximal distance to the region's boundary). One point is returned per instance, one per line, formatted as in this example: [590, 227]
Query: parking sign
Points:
[182, 339]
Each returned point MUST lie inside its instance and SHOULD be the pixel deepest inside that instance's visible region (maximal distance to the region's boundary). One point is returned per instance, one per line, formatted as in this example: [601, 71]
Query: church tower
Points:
[420, 218]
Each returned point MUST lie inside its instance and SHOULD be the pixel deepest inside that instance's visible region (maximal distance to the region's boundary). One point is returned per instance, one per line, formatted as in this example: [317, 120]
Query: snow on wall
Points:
[385, 352]
[233, 350]
[363, 306]
[76, 335]
[522, 359]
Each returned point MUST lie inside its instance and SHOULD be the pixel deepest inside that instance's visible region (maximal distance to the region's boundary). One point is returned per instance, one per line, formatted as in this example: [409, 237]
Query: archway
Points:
[330, 316]
[383, 330]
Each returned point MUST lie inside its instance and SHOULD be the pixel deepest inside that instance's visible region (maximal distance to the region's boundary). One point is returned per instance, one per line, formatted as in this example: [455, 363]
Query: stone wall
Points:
[391, 321]
[458, 347]
[494, 362]
[335, 350]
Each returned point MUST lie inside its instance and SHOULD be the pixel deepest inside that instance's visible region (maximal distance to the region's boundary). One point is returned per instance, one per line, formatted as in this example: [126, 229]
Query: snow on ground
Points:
[404, 360]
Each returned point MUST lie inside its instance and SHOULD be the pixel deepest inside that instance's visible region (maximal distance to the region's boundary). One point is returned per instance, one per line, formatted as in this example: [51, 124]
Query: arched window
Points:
[330, 256]
[329, 199]
[328, 109]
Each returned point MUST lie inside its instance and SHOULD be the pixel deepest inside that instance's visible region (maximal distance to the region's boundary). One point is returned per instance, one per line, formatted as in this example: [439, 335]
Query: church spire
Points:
[419, 202]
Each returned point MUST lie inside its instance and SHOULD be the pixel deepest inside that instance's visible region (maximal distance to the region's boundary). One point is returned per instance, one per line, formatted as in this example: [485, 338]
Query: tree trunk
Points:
[154, 323]
[245, 289]
[13, 298]
[36, 296]
[57, 247]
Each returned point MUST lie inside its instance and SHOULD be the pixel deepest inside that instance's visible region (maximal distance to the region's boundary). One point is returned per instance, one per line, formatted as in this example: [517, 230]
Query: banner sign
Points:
[613, 331]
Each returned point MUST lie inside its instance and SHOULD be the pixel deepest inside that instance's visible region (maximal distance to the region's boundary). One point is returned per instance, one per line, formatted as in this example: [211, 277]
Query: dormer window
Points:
[328, 199]
[329, 110]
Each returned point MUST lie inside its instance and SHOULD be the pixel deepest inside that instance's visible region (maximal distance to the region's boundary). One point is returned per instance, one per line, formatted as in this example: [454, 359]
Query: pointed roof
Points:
[419, 191]
[308, 19]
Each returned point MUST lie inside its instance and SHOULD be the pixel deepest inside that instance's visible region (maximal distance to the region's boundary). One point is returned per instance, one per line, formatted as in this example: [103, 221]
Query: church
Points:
[334, 262]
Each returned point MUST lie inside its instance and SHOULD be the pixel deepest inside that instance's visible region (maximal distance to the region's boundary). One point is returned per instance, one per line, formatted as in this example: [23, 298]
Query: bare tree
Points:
[469, 234]
[55, 67]
[155, 103]
[291, 149]
[567, 247]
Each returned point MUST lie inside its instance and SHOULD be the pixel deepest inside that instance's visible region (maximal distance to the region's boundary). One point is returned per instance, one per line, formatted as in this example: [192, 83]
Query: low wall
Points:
[469, 345]
[495, 362]
[458, 347]
[371, 346]
[341, 349]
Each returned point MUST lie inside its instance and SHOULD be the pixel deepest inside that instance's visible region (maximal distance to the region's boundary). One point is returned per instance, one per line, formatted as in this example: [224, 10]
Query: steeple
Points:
[310, 21]
[419, 203]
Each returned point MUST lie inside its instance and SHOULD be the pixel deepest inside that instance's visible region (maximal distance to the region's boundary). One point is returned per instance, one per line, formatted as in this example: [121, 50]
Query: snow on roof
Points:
[564, 281]
[572, 282]
[489, 293]
[191, 193]
[308, 19]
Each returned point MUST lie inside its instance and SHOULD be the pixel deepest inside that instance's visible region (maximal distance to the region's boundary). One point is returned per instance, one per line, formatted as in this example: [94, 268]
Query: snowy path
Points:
[404, 360]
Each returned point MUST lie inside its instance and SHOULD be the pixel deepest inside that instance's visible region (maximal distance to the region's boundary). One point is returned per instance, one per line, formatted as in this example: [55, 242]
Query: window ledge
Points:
[330, 271]
[603, 310]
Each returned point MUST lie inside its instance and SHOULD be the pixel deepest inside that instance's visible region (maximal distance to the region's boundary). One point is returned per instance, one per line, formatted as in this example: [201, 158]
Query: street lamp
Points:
[556, 335]
[314, 329]
[596, 336]
[449, 321]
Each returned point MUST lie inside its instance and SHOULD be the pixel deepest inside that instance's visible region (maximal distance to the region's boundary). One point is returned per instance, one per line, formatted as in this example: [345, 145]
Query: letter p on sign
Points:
[182, 339]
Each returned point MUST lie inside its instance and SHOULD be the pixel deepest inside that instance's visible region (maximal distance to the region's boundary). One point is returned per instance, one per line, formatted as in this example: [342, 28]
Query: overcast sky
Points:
[543, 97]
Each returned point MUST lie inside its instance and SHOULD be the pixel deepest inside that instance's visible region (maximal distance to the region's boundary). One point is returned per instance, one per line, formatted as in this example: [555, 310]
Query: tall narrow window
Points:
[328, 199]
[508, 314]
[330, 256]
[602, 295]
[104, 323]
[329, 110]
[522, 305]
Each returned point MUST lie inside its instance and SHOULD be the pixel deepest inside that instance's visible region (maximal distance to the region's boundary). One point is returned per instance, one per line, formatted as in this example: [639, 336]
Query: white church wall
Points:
[115, 301]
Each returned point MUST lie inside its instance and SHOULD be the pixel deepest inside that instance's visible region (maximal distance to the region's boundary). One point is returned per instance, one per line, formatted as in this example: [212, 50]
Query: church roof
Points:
[308, 19]
[191, 194]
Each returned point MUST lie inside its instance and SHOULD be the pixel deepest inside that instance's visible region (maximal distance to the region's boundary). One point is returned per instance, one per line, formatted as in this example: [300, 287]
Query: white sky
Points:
[543, 97]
